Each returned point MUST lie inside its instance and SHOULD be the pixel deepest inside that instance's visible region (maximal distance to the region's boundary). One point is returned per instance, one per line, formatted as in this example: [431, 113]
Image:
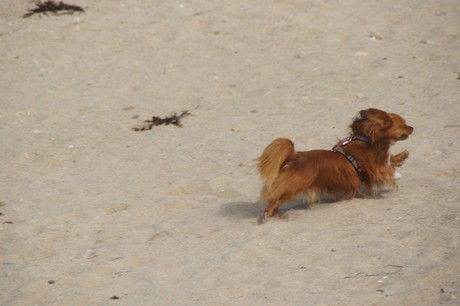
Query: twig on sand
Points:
[173, 119]
[60, 8]
[390, 269]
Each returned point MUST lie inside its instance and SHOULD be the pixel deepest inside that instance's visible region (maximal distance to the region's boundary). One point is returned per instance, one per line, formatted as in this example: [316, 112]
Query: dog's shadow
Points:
[253, 210]
[241, 210]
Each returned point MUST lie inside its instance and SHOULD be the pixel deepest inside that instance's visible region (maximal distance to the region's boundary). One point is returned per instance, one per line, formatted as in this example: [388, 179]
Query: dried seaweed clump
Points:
[60, 8]
[173, 119]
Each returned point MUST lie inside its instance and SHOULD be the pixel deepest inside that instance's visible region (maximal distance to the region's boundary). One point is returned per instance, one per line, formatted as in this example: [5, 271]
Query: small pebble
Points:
[361, 53]
[90, 253]
[374, 36]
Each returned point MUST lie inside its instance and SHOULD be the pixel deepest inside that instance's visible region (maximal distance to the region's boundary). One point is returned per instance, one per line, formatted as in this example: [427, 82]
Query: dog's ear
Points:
[363, 114]
[372, 123]
[382, 117]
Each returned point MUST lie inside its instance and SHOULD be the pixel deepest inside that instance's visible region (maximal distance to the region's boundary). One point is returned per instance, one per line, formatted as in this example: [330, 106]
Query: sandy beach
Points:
[95, 213]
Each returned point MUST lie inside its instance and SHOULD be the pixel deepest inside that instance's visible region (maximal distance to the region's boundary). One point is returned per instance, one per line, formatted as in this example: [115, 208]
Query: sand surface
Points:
[94, 213]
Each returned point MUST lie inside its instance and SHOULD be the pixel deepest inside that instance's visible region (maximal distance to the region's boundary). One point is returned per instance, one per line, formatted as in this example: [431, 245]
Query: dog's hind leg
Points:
[269, 211]
[272, 208]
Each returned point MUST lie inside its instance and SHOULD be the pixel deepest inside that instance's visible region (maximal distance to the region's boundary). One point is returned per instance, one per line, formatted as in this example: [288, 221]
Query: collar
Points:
[353, 137]
[339, 149]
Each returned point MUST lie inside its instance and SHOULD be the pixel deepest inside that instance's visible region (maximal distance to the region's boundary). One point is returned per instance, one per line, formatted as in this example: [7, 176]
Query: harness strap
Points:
[350, 158]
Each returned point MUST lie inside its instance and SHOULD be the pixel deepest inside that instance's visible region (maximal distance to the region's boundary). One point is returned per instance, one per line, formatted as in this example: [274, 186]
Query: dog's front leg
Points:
[398, 160]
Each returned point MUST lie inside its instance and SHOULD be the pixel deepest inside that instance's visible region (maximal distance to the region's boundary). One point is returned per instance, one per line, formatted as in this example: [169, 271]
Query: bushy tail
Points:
[272, 158]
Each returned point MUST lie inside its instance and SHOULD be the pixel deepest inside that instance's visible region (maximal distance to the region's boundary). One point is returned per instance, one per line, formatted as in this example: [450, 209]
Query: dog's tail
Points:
[272, 159]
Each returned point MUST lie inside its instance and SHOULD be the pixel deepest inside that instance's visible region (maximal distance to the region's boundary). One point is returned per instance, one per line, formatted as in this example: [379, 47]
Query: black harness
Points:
[339, 149]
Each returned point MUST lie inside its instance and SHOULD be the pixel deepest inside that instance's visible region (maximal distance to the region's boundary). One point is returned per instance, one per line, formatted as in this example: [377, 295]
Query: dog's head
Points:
[399, 130]
[379, 125]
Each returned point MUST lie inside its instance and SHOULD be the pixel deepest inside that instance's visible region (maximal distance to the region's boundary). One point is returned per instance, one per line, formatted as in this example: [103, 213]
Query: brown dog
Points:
[360, 161]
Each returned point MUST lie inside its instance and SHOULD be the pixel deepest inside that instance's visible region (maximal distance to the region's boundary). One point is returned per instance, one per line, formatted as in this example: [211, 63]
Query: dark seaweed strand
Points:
[53, 7]
[174, 119]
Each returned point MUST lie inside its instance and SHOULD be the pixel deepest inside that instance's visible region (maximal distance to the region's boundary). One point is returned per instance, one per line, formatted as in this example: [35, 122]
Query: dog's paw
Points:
[397, 175]
[398, 160]
[262, 219]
